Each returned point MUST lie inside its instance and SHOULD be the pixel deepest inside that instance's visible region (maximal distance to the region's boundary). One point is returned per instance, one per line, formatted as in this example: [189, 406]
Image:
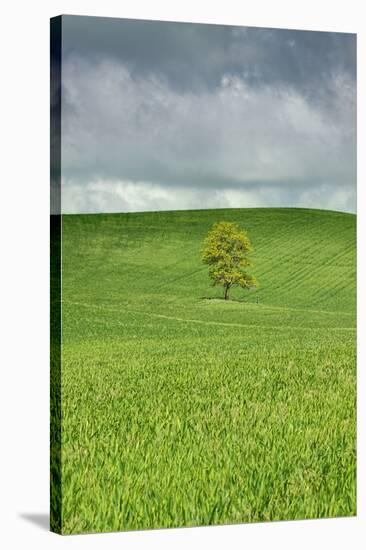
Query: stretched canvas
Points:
[203, 286]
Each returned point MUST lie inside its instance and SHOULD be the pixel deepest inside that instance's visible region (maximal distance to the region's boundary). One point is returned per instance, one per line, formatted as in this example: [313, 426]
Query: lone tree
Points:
[225, 250]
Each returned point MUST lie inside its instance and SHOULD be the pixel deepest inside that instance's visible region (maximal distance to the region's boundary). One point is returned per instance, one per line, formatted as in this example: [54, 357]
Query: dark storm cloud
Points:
[190, 56]
[167, 115]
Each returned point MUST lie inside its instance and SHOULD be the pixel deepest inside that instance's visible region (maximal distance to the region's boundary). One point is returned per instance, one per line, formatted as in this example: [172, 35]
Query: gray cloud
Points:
[164, 116]
[190, 56]
[127, 196]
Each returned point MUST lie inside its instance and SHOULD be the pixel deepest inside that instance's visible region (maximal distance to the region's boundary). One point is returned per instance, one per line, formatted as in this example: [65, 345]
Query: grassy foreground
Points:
[181, 409]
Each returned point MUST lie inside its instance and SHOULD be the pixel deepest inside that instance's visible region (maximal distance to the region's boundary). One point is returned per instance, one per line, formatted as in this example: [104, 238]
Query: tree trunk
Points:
[226, 294]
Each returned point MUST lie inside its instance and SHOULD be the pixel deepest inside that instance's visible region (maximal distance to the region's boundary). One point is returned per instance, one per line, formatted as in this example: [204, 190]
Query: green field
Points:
[179, 408]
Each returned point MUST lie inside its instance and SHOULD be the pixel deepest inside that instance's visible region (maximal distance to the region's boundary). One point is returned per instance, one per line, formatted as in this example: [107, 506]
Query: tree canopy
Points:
[225, 250]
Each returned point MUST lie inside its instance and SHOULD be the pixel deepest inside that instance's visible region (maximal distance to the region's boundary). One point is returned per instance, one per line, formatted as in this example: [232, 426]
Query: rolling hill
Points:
[182, 409]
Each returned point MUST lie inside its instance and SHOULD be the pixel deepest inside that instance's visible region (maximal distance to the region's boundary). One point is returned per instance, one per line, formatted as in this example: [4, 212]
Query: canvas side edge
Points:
[55, 275]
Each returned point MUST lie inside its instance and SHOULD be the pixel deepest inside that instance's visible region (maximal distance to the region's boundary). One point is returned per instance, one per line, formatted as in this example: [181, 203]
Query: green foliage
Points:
[181, 409]
[225, 250]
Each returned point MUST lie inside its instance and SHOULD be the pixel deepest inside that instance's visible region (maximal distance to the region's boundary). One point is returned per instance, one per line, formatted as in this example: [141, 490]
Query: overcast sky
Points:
[164, 116]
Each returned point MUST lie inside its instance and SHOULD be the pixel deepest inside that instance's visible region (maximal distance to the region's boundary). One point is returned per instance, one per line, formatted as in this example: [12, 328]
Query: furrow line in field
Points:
[214, 323]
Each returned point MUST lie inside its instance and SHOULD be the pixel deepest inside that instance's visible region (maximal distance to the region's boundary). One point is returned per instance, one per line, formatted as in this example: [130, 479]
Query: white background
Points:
[24, 273]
